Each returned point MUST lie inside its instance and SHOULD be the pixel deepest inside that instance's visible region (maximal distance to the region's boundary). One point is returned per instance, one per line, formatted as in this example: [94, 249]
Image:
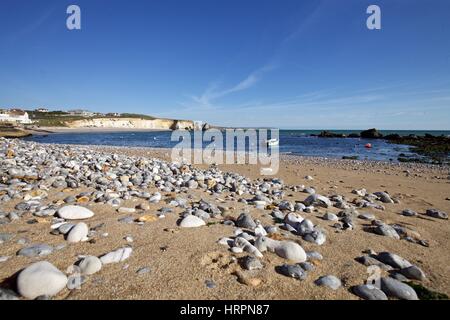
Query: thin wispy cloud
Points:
[214, 92]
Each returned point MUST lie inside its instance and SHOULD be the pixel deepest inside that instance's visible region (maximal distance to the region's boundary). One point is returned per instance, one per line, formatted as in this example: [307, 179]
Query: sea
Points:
[294, 142]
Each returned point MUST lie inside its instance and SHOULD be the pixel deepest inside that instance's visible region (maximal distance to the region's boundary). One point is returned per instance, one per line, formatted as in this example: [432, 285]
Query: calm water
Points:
[297, 142]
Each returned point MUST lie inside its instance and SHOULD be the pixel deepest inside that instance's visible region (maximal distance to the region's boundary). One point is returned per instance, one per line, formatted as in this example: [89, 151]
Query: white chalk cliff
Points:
[132, 123]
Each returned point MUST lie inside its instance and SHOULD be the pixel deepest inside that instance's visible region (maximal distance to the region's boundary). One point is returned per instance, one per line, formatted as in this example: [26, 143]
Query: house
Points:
[80, 112]
[41, 110]
[113, 114]
[15, 115]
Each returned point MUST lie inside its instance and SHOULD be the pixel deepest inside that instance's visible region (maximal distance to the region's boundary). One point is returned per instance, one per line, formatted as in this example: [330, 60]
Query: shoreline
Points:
[424, 149]
[55, 130]
[284, 156]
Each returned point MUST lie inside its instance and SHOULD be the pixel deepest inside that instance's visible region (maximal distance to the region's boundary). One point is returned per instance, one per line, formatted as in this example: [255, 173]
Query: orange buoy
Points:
[368, 146]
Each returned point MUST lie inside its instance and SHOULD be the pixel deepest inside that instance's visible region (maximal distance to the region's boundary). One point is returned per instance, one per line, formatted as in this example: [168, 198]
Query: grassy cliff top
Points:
[59, 118]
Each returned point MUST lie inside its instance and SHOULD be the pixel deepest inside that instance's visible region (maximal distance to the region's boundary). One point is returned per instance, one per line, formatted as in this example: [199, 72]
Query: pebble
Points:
[306, 266]
[65, 228]
[370, 261]
[147, 218]
[398, 276]
[330, 217]
[397, 289]
[246, 246]
[90, 265]
[413, 272]
[437, 214]
[40, 278]
[252, 263]
[329, 281]
[317, 200]
[126, 210]
[386, 230]
[118, 255]
[314, 255]
[6, 294]
[316, 237]
[143, 270]
[245, 221]
[191, 221]
[155, 198]
[78, 233]
[75, 281]
[286, 249]
[393, 260]
[384, 197]
[38, 250]
[367, 216]
[72, 212]
[210, 284]
[305, 227]
[294, 271]
[409, 213]
[237, 250]
[369, 292]
[360, 192]
[12, 216]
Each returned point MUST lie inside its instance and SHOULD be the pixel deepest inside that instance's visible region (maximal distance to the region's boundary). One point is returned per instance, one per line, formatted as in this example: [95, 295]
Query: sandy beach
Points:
[180, 260]
[46, 130]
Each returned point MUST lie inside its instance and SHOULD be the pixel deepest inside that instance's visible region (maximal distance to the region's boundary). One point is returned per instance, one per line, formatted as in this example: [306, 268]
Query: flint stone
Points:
[329, 281]
[409, 213]
[313, 255]
[414, 273]
[393, 260]
[384, 197]
[191, 221]
[386, 230]
[72, 212]
[78, 233]
[306, 266]
[369, 292]
[118, 255]
[245, 221]
[90, 265]
[330, 217]
[37, 250]
[252, 263]
[40, 278]
[319, 200]
[6, 294]
[437, 214]
[293, 271]
[397, 289]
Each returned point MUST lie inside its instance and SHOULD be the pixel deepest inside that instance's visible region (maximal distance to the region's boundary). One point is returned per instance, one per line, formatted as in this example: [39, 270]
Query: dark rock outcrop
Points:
[371, 134]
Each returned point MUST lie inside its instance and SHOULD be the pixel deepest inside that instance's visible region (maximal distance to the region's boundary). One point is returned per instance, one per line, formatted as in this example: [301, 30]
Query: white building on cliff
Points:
[15, 116]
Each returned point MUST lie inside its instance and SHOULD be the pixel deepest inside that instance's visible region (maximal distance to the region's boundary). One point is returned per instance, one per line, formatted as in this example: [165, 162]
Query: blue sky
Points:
[308, 64]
